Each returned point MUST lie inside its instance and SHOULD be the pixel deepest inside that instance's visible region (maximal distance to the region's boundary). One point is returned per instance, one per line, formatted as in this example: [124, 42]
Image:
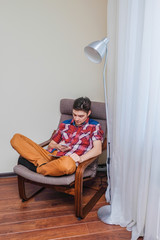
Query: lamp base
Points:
[104, 214]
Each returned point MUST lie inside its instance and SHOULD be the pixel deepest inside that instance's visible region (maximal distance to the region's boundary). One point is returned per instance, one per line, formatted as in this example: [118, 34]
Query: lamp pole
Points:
[108, 194]
[95, 51]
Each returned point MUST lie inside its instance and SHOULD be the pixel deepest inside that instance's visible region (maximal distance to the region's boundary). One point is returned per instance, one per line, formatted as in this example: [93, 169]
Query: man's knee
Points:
[62, 166]
[15, 139]
[68, 165]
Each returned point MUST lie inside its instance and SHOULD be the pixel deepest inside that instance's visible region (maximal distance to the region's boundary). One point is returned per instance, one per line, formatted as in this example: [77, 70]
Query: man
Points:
[75, 141]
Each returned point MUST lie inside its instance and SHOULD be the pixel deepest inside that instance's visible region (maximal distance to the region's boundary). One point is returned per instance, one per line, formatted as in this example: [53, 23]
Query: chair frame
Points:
[75, 188]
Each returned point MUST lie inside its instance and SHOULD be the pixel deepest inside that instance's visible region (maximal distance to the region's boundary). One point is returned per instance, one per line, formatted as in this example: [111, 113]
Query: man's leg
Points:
[30, 150]
[62, 166]
[27, 164]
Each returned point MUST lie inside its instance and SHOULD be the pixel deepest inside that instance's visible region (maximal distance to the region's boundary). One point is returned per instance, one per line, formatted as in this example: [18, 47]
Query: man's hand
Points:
[62, 147]
[95, 151]
[51, 145]
[75, 157]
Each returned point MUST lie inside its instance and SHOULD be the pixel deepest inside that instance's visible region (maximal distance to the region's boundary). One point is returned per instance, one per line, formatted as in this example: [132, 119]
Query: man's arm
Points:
[94, 152]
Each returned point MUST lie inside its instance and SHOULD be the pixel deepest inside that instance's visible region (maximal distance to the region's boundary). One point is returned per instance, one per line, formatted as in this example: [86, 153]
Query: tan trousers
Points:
[38, 156]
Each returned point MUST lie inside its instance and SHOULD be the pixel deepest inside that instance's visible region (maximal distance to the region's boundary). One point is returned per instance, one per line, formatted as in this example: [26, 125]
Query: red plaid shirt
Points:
[79, 138]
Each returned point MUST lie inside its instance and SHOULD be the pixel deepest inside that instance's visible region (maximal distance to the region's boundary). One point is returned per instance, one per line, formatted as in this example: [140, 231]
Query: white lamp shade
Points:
[96, 50]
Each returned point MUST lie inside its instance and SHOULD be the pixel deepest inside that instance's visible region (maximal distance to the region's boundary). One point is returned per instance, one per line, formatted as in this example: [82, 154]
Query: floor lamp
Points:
[95, 52]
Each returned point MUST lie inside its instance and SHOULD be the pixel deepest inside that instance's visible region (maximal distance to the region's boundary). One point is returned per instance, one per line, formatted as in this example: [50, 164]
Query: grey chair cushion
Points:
[39, 178]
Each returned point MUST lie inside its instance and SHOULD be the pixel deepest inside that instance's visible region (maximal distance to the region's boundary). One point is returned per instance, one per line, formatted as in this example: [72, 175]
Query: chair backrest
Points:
[98, 112]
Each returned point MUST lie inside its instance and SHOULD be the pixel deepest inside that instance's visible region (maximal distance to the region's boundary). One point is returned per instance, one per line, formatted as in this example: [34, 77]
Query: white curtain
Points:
[133, 81]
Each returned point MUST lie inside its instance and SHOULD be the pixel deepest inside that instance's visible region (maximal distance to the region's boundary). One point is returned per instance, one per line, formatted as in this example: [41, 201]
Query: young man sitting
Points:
[75, 141]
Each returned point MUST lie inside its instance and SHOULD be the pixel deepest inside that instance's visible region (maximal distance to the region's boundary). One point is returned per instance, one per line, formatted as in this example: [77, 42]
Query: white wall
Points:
[42, 61]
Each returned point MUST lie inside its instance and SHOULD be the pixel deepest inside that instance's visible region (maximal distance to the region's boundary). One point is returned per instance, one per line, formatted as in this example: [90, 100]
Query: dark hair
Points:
[83, 104]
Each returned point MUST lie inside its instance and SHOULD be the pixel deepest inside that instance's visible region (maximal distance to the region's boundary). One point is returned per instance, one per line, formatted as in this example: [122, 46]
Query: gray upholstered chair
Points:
[70, 184]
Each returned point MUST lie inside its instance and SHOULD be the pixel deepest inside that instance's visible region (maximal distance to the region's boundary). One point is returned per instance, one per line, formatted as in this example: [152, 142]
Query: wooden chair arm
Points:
[43, 144]
[79, 186]
[82, 166]
[80, 210]
[104, 145]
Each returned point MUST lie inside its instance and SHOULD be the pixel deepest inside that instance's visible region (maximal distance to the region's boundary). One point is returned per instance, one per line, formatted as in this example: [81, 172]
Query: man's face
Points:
[80, 116]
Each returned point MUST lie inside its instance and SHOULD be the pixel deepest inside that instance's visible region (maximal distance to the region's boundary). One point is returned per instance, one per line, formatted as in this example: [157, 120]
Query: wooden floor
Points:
[50, 215]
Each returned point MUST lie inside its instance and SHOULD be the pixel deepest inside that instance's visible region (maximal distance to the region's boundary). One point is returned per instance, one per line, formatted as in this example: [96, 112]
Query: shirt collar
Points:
[85, 122]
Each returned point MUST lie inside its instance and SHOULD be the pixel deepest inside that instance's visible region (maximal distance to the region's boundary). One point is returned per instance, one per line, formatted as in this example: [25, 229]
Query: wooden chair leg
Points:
[81, 211]
[22, 189]
[87, 208]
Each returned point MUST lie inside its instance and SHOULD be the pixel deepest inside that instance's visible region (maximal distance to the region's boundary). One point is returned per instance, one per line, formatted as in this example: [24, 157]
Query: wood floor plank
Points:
[109, 235]
[46, 234]
[44, 223]
[21, 216]
[71, 231]
[51, 215]
[61, 203]
[8, 181]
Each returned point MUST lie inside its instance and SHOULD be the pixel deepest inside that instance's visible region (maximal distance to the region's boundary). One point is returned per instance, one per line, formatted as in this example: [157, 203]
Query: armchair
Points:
[70, 184]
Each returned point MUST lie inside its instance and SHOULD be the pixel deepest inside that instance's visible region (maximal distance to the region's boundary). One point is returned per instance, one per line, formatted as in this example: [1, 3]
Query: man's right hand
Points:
[61, 147]
[51, 145]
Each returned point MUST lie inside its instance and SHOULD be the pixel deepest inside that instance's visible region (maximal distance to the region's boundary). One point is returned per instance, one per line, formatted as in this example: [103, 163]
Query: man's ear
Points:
[89, 113]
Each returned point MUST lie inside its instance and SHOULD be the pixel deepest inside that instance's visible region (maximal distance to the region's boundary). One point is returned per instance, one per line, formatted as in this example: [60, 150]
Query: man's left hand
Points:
[75, 157]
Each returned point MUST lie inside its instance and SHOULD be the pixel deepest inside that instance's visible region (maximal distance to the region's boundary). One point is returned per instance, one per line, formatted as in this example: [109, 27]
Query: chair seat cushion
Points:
[39, 178]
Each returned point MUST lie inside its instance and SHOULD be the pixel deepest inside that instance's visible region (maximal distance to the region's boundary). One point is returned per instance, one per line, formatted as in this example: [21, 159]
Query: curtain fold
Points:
[133, 81]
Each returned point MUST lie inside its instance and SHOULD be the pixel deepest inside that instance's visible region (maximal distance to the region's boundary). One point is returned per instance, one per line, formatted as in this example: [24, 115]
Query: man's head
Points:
[81, 110]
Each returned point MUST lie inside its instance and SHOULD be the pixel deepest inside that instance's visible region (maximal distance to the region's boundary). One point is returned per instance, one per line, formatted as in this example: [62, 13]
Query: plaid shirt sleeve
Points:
[58, 135]
[97, 133]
